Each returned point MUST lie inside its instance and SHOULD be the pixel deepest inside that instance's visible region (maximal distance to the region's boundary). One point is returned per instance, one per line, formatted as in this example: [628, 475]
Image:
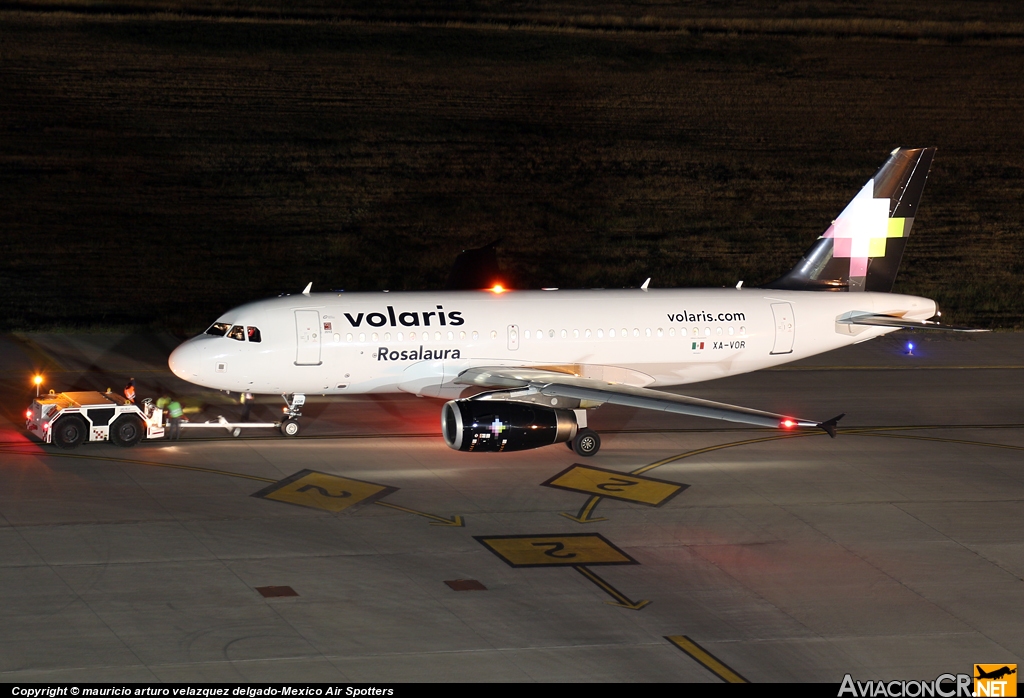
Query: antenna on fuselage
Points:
[306, 290]
[645, 284]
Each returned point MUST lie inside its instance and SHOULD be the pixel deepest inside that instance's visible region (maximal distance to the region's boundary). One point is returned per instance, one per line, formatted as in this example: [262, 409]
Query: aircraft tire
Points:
[126, 431]
[69, 431]
[586, 443]
[290, 427]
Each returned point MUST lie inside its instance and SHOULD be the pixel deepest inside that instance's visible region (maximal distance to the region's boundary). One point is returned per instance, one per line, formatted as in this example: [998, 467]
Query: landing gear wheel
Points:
[569, 444]
[69, 431]
[126, 430]
[290, 427]
[586, 443]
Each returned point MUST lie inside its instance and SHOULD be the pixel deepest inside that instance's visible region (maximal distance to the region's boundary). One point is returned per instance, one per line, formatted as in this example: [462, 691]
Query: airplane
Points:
[521, 368]
[995, 674]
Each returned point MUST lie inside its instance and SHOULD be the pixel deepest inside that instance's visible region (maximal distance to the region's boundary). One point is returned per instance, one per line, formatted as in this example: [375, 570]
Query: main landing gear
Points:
[292, 411]
[586, 443]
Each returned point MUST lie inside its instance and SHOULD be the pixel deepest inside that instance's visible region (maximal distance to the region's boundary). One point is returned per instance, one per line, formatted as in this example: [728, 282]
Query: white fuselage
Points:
[350, 343]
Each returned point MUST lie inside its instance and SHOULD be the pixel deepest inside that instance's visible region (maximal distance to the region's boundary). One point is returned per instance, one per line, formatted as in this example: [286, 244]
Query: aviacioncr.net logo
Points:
[995, 680]
[944, 686]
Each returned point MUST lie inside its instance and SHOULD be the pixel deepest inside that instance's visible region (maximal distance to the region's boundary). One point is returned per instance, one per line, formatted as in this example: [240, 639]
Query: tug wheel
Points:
[69, 431]
[126, 431]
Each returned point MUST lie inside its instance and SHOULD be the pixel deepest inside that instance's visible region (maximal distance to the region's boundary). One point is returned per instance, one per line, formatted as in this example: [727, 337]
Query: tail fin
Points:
[862, 249]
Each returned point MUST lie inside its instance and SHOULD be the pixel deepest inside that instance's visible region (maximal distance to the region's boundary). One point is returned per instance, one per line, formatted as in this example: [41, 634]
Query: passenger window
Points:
[237, 332]
[611, 332]
[600, 334]
[254, 334]
[218, 329]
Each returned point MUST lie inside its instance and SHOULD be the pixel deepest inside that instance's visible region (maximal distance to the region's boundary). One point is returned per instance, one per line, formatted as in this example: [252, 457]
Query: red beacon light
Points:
[497, 288]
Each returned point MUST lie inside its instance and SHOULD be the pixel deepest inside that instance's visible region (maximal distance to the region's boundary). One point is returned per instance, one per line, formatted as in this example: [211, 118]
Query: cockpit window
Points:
[254, 333]
[237, 332]
[218, 329]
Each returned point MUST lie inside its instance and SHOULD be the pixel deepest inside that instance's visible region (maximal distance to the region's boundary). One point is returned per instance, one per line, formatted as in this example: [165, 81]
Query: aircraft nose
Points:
[185, 361]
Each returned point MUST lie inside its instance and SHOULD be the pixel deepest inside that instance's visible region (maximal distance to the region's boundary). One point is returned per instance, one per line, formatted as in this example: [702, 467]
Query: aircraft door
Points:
[513, 337]
[307, 337]
[785, 328]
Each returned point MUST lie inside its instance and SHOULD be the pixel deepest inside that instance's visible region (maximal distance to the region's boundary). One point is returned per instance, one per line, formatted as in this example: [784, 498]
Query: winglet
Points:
[308, 288]
[830, 425]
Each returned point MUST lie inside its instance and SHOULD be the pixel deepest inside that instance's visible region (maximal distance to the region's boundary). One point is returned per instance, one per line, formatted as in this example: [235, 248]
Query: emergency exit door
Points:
[785, 328]
[307, 336]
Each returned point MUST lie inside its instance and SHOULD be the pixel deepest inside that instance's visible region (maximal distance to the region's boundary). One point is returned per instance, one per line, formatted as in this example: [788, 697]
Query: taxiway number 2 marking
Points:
[615, 485]
[309, 488]
[562, 550]
[576, 550]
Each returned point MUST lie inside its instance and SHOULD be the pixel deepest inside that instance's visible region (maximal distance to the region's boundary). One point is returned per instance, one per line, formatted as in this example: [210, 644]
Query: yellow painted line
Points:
[437, 520]
[560, 550]
[709, 661]
[615, 485]
[309, 488]
[719, 447]
[620, 599]
[82, 456]
[941, 440]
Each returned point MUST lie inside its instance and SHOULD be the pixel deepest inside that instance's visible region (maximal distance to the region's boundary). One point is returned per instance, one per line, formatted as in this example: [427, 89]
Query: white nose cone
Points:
[184, 361]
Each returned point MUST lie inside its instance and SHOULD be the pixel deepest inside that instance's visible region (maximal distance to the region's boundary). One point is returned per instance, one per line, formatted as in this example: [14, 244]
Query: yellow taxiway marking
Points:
[621, 600]
[175, 466]
[309, 488]
[576, 550]
[615, 485]
[585, 513]
[710, 662]
[559, 550]
[437, 520]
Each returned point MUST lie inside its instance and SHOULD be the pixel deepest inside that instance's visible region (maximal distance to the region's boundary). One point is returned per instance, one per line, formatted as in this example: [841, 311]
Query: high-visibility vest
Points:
[174, 410]
[129, 392]
[163, 402]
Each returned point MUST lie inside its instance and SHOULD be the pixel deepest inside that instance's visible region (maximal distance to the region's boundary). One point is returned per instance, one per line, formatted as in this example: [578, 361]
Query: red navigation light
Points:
[787, 424]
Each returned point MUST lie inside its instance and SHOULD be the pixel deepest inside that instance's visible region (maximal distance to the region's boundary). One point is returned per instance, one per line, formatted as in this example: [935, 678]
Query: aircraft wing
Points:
[557, 384]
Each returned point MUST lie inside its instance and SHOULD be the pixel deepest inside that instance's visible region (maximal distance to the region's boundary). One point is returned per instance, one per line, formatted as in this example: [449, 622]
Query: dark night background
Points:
[162, 162]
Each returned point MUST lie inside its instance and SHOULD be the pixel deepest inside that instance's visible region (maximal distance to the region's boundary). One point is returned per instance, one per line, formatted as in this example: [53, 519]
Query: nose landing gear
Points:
[292, 410]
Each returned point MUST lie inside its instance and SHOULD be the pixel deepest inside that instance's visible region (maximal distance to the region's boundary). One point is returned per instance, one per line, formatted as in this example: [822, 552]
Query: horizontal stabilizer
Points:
[876, 320]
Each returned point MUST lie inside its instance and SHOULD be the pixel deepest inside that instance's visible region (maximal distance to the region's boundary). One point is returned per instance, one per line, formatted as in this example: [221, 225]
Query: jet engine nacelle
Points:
[493, 425]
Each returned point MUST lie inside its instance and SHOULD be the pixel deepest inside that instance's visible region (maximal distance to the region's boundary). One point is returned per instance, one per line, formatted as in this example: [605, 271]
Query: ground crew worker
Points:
[246, 406]
[162, 402]
[129, 391]
[175, 412]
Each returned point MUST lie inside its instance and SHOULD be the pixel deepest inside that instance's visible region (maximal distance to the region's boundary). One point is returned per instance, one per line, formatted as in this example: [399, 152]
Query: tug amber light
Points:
[38, 380]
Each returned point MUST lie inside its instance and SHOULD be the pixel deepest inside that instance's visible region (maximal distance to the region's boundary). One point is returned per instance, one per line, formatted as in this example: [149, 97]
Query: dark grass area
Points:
[156, 169]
